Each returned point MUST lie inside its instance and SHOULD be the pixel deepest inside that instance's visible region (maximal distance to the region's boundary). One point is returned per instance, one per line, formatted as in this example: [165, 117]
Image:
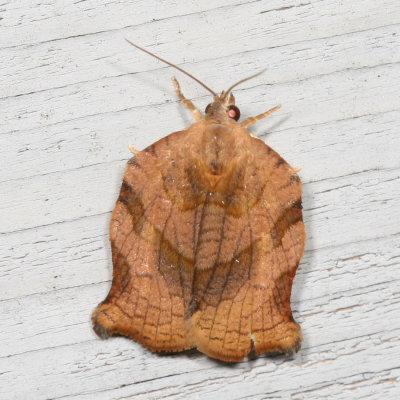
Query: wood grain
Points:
[73, 95]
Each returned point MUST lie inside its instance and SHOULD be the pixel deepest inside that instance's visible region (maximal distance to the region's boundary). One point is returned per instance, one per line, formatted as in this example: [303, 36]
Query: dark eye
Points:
[233, 112]
[207, 108]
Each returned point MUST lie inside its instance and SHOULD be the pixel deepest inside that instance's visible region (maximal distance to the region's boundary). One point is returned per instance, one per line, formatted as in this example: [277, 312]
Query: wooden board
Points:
[73, 94]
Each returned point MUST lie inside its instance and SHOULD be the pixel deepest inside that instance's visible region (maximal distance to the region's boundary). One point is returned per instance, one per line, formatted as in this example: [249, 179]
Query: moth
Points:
[206, 237]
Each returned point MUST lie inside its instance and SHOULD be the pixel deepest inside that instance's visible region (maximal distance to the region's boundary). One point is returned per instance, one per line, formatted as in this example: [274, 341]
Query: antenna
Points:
[173, 65]
[241, 81]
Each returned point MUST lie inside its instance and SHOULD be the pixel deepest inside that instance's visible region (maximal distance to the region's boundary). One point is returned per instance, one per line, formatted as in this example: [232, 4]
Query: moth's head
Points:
[223, 108]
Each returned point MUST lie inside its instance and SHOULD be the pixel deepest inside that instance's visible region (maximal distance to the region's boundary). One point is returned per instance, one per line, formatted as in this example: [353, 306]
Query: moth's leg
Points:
[253, 120]
[187, 103]
[133, 149]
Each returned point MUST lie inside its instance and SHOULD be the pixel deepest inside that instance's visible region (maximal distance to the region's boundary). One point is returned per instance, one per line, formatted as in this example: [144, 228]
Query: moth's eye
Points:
[208, 108]
[233, 112]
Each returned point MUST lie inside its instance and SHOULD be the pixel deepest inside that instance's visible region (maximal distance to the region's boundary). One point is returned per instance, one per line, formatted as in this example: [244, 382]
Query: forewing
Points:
[152, 278]
[245, 302]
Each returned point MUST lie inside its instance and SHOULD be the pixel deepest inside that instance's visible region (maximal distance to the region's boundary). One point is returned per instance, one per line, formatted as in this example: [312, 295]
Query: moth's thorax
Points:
[218, 144]
[216, 155]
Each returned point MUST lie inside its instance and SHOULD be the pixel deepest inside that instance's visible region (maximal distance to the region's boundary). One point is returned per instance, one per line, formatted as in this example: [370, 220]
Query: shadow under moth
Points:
[206, 237]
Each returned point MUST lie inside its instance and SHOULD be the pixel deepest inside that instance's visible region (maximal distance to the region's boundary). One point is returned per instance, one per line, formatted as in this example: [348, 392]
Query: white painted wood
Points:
[73, 94]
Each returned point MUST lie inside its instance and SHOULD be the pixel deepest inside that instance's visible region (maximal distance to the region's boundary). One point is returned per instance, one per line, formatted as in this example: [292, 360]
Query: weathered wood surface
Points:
[73, 95]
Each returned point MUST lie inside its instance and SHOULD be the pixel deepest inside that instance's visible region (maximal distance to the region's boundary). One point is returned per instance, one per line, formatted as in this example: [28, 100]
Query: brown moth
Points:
[206, 237]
